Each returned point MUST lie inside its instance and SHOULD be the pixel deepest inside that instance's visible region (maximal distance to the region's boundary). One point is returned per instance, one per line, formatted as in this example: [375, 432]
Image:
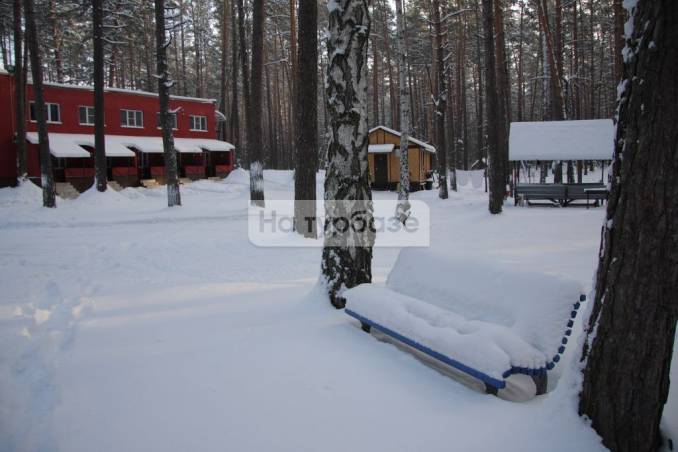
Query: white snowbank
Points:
[533, 305]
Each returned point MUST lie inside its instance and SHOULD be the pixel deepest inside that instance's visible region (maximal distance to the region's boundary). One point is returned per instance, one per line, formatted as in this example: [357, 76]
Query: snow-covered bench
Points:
[483, 319]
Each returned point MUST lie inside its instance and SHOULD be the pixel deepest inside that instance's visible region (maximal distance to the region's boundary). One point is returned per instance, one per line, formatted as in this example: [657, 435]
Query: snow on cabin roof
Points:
[380, 148]
[411, 139]
[590, 139]
[68, 145]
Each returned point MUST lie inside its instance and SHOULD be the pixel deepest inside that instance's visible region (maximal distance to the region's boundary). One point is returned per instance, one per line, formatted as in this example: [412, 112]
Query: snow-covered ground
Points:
[128, 326]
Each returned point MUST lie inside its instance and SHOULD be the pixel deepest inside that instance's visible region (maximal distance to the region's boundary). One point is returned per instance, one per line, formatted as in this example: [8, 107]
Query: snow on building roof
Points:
[380, 148]
[590, 139]
[68, 145]
[411, 139]
[61, 145]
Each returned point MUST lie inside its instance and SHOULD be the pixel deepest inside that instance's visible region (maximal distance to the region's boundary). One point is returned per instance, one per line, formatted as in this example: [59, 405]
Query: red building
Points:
[133, 139]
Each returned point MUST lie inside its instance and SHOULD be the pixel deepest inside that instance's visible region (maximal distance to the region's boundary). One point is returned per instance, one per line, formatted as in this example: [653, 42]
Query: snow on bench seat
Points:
[490, 319]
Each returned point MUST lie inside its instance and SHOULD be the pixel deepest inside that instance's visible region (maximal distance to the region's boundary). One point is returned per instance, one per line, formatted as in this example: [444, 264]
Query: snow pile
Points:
[26, 193]
[238, 176]
[475, 177]
[106, 199]
[534, 306]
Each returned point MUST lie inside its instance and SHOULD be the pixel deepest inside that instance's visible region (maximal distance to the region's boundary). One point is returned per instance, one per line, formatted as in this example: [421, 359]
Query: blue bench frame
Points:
[492, 385]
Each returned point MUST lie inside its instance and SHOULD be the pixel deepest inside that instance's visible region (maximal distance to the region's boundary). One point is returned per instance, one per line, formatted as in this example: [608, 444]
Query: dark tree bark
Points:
[164, 85]
[20, 95]
[503, 93]
[347, 254]
[632, 325]
[46, 176]
[307, 120]
[245, 77]
[440, 102]
[235, 109]
[496, 174]
[254, 135]
[99, 112]
[224, 67]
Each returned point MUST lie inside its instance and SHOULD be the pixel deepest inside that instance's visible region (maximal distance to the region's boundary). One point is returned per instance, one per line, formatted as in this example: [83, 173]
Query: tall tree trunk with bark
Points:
[46, 176]
[245, 77]
[347, 254]
[403, 207]
[20, 95]
[235, 101]
[496, 174]
[224, 67]
[632, 326]
[164, 85]
[440, 101]
[100, 170]
[254, 138]
[307, 120]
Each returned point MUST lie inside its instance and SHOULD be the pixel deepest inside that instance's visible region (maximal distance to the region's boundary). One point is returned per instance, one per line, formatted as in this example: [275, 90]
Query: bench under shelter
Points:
[580, 140]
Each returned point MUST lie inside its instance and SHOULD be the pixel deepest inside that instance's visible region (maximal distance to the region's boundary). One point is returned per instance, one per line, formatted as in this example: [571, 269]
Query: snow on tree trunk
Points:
[632, 326]
[347, 254]
[440, 101]
[20, 95]
[254, 138]
[403, 207]
[164, 85]
[307, 118]
[99, 132]
[496, 174]
[46, 176]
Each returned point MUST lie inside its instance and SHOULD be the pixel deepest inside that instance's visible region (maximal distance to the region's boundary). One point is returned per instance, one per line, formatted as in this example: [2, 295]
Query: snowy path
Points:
[149, 330]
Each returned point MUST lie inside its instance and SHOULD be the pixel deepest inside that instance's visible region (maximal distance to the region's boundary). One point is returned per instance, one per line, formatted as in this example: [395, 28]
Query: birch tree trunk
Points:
[100, 169]
[632, 326]
[440, 101]
[46, 176]
[164, 85]
[254, 138]
[403, 207]
[20, 95]
[307, 120]
[347, 254]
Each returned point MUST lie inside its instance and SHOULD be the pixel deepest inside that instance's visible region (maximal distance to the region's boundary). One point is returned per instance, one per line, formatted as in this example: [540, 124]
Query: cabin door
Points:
[381, 170]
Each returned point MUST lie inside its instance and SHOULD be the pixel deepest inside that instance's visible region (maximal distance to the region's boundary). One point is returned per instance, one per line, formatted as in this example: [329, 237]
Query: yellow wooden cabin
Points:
[384, 162]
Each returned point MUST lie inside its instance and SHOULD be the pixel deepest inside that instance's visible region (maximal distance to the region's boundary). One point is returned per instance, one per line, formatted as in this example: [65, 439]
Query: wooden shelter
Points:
[384, 162]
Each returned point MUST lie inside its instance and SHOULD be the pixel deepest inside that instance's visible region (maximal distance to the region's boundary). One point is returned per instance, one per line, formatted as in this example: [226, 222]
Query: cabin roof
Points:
[420, 143]
[591, 139]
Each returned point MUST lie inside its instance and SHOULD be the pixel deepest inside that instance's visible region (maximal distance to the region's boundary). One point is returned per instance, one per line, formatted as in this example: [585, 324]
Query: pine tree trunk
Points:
[496, 175]
[100, 169]
[307, 119]
[20, 95]
[254, 138]
[235, 101]
[223, 66]
[164, 85]
[440, 102]
[347, 254]
[403, 207]
[632, 325]
[46, 176]
[245, 77]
